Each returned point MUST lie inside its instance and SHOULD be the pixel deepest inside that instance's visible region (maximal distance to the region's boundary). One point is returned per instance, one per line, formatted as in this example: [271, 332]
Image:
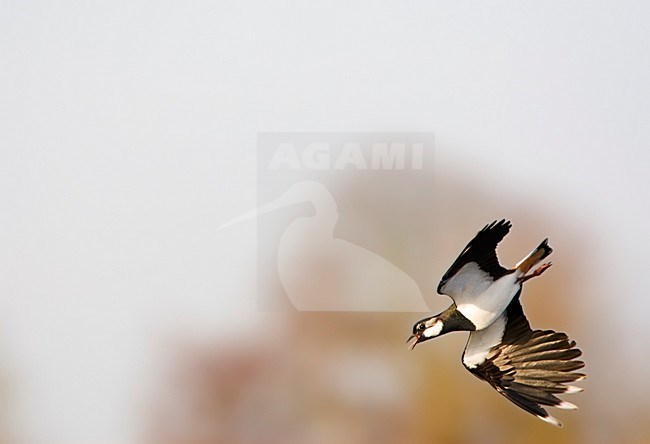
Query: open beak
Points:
[412, 341]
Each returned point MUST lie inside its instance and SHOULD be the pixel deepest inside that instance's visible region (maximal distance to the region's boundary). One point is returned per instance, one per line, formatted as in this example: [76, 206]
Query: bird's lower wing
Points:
[528, 367]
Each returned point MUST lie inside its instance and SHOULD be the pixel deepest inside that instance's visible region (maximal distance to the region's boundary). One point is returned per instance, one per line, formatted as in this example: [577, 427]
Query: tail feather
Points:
[535, 257]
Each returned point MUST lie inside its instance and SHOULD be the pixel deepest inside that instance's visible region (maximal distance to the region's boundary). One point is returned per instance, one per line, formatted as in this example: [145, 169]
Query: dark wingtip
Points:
[497, 224]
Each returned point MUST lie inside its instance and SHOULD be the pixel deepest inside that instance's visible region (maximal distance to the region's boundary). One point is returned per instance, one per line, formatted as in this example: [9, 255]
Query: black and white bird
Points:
[529, 367]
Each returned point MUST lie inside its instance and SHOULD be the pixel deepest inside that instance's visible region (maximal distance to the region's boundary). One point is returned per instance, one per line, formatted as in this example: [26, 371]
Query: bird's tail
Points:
[535, 257]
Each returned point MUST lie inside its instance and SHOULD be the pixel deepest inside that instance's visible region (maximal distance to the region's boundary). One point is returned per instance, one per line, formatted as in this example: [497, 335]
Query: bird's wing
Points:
[529, 367]
[477, 266]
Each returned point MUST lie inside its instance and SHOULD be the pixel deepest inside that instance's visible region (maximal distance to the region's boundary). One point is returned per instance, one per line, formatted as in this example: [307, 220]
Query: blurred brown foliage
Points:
[325, 377]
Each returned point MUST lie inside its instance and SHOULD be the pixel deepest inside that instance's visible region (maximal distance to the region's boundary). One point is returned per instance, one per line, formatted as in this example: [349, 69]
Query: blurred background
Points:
[129, 135]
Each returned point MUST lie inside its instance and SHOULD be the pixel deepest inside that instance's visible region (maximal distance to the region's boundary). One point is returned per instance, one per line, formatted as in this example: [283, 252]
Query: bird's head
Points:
[426, 329]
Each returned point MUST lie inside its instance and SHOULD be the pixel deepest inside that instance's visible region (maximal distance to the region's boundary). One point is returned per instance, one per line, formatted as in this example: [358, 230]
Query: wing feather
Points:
[530, 367]
[478, 261]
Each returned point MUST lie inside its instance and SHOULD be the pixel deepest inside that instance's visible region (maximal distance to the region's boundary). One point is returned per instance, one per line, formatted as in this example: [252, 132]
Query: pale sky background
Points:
[128, 134]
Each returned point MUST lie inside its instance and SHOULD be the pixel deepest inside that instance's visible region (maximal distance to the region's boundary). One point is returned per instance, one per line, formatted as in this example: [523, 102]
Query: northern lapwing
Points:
[529, 367]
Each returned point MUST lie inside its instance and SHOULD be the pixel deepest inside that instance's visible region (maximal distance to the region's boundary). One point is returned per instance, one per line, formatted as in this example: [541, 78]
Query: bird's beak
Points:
[283, 201]
[412, 341]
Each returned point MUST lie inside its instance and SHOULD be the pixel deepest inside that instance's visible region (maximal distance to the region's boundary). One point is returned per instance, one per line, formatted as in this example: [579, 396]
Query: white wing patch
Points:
[481, 341]
[484, 307]
[467, 283]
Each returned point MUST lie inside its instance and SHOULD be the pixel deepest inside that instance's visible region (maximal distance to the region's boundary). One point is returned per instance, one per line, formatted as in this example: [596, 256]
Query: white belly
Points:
[481, 342]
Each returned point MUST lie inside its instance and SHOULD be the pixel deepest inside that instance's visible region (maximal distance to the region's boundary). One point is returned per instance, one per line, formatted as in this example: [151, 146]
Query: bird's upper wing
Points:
[529, 367]
[477, 266]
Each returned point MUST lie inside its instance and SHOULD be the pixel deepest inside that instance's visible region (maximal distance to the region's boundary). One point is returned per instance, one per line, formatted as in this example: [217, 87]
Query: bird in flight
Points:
[529, 367]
